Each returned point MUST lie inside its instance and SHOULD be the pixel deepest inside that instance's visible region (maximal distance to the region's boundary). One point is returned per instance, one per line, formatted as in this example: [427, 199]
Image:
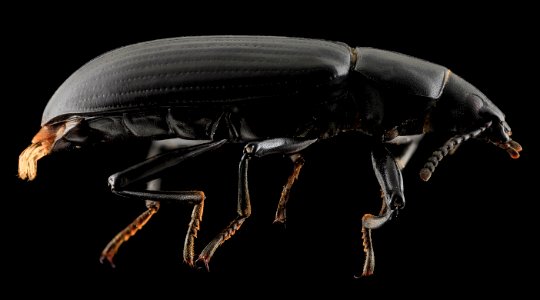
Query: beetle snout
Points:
[500, 132]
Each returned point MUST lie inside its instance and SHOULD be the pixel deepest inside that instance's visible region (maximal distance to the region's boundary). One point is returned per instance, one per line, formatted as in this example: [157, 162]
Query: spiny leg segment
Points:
[112, 247]
[370, 222]
[281, 211]
[253, 149]
[389, 176]
[149, 169]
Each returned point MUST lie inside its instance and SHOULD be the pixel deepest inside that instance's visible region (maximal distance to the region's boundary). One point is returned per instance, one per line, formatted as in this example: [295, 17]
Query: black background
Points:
[470, 229]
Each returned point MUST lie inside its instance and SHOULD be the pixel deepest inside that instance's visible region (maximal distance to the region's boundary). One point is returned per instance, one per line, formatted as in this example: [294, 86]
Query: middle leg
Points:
[281, 211]
[254, 149]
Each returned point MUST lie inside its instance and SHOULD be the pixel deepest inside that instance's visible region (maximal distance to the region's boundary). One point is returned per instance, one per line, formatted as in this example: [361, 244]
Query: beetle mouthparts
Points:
[512, 147]
[41, 145]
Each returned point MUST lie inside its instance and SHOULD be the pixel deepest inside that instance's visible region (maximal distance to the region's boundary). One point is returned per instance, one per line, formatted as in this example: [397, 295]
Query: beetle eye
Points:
[507, 128]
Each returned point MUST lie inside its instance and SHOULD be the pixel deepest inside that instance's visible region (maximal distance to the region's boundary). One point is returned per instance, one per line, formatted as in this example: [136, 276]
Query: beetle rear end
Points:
[195, 88]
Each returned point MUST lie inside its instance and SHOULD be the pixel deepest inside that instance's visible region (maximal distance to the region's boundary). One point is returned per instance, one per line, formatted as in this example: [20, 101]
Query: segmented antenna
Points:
[448, 147]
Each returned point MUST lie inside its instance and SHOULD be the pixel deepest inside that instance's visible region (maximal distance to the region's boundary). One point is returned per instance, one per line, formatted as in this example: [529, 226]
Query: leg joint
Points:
[117, 182]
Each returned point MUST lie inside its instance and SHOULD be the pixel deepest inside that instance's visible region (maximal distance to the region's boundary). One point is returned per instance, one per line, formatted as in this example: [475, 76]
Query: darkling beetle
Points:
[276, 95]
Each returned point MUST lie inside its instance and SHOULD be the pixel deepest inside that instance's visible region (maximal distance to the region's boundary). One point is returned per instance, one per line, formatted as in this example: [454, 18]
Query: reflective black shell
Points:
[206, 70]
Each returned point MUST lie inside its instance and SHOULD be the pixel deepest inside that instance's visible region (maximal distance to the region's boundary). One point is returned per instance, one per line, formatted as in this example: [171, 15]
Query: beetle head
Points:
[463, 108]
[465, 112]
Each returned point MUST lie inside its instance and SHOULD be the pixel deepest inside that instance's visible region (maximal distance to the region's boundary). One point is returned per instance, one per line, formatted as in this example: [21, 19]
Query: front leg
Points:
[390, 179]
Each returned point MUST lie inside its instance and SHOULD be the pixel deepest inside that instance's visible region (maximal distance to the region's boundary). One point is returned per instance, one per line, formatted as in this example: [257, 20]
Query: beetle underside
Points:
[44, 142]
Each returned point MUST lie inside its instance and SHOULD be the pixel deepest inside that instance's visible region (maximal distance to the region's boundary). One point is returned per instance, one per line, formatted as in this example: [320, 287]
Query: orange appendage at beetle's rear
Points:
[42, 145]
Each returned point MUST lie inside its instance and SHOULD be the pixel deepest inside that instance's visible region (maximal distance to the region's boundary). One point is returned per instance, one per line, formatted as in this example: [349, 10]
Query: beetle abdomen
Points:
[191, 71]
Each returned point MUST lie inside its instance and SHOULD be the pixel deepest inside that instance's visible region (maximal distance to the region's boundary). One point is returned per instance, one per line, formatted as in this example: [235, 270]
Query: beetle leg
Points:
[281, 212]
[244, 211]
[390, 179]
[254, 149]
[156, 148]
[148, 169]
[370, 222]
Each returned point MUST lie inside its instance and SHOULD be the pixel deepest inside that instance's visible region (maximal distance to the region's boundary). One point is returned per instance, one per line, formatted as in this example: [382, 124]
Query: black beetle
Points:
[276, 95]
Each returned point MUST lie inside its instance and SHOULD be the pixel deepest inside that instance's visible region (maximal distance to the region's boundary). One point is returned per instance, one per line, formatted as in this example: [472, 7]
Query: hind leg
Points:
[151, 168]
